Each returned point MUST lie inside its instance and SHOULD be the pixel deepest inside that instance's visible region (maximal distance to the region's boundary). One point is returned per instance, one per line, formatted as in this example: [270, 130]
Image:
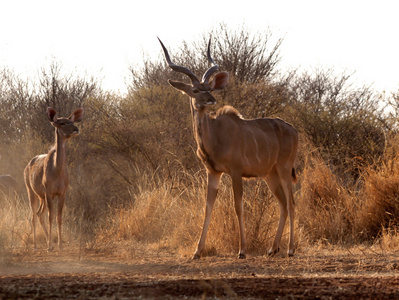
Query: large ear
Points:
[51, 114]
[77, 115]
[182, 87]
[219, 81]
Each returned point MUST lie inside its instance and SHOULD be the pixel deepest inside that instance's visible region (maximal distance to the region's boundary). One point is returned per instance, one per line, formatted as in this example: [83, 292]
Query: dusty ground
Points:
[135, 271]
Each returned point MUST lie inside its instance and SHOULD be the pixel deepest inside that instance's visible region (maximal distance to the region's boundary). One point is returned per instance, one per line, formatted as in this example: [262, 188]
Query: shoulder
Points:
[37, 158]
[228, 110]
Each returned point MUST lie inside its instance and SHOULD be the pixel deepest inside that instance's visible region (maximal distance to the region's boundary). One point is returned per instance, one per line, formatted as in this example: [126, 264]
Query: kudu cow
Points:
[240, 148]
[46, 175]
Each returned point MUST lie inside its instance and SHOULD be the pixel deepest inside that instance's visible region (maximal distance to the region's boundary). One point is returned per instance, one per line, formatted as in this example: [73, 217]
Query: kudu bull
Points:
[229, 144]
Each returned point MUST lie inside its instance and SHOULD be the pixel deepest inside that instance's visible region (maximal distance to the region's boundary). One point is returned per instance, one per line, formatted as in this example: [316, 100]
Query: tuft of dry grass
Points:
[15, 229]
[325, 206]
[380, 195]
[162, 214]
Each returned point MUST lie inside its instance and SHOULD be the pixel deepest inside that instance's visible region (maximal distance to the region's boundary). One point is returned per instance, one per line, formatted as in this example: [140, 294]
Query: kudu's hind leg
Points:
[41, 213]
[287, 185]
[275, 186]
[34, 204]
[287, 207]
[213, 185]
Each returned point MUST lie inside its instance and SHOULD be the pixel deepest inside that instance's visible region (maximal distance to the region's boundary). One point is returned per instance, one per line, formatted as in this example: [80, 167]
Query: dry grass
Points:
[14, 225]
[173, 217]
[168, 214]
[380, 194]
[325, 206]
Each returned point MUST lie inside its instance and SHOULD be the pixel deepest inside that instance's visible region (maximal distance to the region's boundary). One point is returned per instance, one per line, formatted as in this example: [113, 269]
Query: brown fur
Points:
[229, 144]
[46, 176]
[228, 110]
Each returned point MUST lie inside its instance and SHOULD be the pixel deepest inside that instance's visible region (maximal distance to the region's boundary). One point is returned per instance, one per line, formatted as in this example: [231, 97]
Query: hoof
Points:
[242, 256]
[291, 253]
[196, 256]
[272, 252]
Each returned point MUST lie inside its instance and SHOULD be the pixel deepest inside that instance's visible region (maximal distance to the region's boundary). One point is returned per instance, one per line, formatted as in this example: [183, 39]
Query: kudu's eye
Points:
[195, 91]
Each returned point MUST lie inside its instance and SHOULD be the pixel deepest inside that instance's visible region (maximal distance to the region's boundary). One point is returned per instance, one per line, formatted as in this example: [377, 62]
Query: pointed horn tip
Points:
[165, 51]
[208, 54]
[163, 46]
[160, 42]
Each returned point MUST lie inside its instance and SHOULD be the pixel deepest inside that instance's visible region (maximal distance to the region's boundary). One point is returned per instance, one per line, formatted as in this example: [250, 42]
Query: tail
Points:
[293, 175]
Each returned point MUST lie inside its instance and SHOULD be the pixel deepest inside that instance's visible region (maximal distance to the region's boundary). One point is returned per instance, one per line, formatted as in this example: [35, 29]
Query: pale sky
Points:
[103, 38]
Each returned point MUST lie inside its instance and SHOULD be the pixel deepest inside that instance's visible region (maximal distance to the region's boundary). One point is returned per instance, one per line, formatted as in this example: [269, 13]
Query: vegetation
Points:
[135, 175]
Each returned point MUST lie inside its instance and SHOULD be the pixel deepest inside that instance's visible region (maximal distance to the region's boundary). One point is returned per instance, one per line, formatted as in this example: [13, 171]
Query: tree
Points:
[246, 56]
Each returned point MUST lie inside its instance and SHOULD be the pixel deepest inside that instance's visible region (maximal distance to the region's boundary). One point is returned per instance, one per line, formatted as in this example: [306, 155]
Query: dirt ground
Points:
[132, 271]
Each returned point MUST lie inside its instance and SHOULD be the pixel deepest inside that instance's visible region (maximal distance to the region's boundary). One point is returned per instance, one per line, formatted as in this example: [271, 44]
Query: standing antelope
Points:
[240, 148]
[46, 175]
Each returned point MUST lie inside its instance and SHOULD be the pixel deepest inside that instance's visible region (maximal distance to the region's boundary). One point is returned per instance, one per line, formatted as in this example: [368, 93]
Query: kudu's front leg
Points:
[61, 200]
[238, 205]
[213, 185]
[50, 208]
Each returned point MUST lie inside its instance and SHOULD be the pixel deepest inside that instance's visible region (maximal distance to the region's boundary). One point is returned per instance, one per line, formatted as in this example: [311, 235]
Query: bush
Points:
[326, 207]
[380, 195]
[342, 122]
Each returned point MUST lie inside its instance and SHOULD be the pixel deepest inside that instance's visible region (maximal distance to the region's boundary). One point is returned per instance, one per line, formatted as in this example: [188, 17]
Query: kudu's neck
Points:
[60, 162]
[199, 121]
[201, 127]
